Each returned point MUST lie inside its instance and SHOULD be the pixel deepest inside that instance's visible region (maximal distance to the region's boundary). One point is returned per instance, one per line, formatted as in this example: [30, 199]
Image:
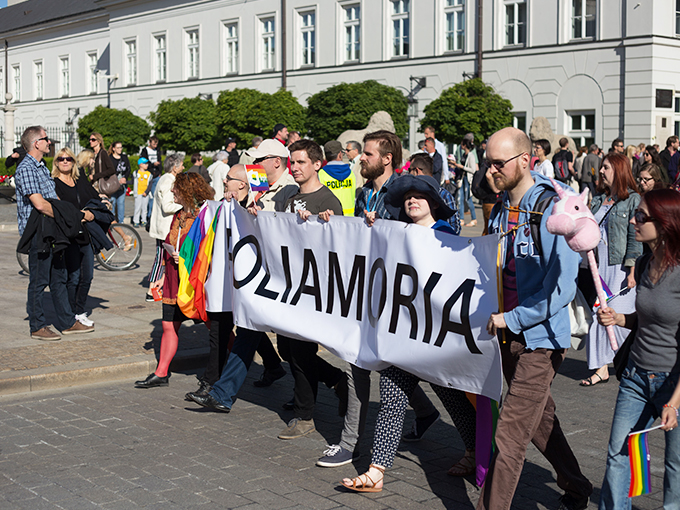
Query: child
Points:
[142, 179]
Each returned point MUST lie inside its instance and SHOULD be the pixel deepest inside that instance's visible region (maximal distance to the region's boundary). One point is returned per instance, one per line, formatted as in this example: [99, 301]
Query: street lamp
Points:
[110, 78]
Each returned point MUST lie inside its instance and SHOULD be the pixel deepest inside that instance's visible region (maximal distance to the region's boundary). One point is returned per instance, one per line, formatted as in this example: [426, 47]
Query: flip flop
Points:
[359, 485]
[590, 382]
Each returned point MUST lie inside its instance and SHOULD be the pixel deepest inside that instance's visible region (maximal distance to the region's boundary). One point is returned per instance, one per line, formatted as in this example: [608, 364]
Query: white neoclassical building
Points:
[597, 69]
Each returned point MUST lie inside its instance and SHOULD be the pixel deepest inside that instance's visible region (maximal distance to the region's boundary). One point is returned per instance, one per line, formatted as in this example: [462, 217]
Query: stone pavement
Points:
[108, 445]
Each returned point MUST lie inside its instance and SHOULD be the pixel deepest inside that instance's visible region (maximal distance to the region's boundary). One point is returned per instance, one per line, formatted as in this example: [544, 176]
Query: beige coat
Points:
[164, 207]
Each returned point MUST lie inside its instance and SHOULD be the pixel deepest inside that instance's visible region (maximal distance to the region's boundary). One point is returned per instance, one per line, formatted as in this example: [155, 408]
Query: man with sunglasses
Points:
[538, 281]
[34, 188]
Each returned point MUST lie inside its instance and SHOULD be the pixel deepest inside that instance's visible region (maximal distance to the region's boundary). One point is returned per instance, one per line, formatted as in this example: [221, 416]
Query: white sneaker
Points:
[82, 318]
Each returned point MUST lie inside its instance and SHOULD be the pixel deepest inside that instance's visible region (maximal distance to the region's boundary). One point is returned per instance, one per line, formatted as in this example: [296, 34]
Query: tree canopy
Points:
[187, 125]
[468, 107]
[245, 113]
[114, 125]
[350, 106]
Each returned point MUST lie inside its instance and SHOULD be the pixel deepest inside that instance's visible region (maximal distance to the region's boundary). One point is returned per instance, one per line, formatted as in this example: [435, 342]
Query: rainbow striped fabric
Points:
[638, 452]
[485, 441]
[257, 178]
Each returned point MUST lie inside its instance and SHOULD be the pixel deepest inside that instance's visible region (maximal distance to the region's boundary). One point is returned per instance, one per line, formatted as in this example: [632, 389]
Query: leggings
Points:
[157, 269]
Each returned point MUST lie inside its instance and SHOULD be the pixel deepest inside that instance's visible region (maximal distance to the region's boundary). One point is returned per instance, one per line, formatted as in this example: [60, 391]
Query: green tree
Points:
[350, 106]
[245, 113]
[114, 125]
[468, 107]
[187, 125]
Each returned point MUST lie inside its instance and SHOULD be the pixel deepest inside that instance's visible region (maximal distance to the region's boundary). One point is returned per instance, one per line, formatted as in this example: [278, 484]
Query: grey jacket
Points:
[623, 248]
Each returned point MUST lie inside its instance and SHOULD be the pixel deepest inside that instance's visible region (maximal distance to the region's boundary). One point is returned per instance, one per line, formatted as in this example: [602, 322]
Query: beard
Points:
[371, 172]
[508, 182]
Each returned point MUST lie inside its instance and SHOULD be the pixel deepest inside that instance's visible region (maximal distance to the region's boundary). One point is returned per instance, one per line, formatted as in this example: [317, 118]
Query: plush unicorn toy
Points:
[572, 219]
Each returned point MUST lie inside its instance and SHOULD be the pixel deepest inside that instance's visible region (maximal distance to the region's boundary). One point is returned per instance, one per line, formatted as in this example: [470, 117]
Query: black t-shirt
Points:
[79, 195]
[315, 202]
[559, 155]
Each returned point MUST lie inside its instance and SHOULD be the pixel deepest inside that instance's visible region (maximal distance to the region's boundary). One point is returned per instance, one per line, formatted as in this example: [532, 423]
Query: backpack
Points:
[561, 165]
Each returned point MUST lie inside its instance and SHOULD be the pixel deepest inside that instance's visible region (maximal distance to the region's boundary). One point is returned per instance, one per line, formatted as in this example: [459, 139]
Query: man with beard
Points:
[539, 282]
[382, 154]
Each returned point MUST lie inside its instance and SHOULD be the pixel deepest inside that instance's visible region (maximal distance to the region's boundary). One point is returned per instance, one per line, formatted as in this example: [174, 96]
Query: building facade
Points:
[596, 69]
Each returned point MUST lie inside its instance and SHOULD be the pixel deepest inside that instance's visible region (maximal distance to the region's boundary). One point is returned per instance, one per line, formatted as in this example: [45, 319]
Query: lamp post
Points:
[110, 78]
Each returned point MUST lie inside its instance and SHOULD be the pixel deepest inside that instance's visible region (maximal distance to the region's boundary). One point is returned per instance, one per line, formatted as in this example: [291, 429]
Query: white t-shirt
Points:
[546, 168]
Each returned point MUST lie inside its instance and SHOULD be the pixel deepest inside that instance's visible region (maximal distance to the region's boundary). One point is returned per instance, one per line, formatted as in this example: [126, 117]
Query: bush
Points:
[245, 113]
[114, 125]
[186, 125]
[468, 107]
[350, 106]
[12, 170]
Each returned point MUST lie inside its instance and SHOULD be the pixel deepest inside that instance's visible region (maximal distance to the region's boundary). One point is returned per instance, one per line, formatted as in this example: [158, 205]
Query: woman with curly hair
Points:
[190, 191]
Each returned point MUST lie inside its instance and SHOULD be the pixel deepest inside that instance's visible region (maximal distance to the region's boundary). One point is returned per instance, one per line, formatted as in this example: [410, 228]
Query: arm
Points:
[42, 205]
[633, 247]
[167, 200]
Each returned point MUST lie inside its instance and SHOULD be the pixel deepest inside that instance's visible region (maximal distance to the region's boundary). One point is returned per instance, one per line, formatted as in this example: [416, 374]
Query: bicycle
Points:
[122, 256]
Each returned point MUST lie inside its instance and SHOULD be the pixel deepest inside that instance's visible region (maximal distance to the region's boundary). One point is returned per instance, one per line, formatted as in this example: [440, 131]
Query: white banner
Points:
[392, 294]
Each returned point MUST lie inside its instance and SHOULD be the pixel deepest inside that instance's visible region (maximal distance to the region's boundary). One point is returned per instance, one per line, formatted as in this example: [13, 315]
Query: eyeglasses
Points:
[641, 218]
[66, 158]
[645, 179]
[646, 154]
[499, 164]
[93, 139]
[44, 138]
[234, 179]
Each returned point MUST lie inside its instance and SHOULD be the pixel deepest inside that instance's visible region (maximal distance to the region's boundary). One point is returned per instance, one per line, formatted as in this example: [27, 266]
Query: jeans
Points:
[640, 401]
[80, 269]
[154, 183]
[118, 202]
[463, 192]
[59, 292]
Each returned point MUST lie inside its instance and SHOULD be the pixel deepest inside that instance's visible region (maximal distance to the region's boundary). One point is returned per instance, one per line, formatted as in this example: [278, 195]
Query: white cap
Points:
[269, 147]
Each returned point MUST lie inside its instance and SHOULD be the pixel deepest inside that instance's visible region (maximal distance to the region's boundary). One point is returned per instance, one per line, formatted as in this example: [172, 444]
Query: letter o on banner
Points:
[378, 264]
[250, 239]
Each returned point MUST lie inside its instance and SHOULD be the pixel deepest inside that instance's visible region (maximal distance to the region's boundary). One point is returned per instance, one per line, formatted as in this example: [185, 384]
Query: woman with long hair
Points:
[190, 191]
[651, 177]
[103, 166]
[649, 383]
[613, 208]
[633, 159]
[122, 165]
[651, 156]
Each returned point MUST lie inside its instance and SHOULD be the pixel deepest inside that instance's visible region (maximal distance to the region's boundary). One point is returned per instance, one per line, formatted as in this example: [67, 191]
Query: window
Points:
[65, 76]
[192, 54]
[131, 61]
[231, 48]
[519, 121]
[39, 82]
[455, 25]
[16, 77]
[677, 18]
[583, 18]
[160, 44]
[676, 125]
[308, 20]
[353, 32]
[515, 23]
[582, 127]
[400, 27]
[92, 63]
[268, 42]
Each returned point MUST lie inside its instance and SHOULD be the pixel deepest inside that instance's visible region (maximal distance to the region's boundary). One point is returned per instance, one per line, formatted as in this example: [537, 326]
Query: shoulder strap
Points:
[536, 215]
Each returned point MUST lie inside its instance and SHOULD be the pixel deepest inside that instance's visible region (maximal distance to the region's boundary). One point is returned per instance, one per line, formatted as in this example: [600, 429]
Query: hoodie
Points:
[546, 283]
[338, 170]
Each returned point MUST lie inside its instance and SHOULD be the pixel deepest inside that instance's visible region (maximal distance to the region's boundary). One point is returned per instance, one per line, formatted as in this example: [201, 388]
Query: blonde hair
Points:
[75, 172]
[84, 157]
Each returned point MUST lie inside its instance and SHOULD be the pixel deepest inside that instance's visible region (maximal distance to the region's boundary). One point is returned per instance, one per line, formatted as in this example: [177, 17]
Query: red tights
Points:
[169, 342]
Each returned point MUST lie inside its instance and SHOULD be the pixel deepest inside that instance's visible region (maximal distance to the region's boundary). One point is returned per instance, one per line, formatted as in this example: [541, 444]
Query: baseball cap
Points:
[141, 161]
[332, 149]
[269, 147]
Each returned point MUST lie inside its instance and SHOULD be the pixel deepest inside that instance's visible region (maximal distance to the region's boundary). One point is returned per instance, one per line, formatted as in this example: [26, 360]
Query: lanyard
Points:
[375, 205]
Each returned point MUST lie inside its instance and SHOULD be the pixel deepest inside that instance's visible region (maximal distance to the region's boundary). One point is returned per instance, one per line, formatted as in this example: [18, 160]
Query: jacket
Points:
[623, 248]
[98, 227]
[54, 234]
[103, 166]
[164, 207]
[546, 280]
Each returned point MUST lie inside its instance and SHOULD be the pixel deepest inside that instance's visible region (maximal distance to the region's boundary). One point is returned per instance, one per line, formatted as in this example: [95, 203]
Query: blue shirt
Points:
[30, 178]
[369, 200]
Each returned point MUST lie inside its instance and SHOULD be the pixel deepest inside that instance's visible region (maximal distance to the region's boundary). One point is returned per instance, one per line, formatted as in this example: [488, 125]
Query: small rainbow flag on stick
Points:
[257, 178]
[638, 453]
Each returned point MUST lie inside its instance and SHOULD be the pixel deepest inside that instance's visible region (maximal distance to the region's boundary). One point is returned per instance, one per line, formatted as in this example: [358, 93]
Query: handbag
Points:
[109, 185]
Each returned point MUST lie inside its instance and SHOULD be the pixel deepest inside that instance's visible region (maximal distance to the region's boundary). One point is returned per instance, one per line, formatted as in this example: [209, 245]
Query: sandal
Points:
[359, 485]
[473, 223]
[129, 243]
[465, 466]
[590, 382]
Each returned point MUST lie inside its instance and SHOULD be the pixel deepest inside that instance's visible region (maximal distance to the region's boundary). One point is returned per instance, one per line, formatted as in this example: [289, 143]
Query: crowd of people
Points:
[633, 201]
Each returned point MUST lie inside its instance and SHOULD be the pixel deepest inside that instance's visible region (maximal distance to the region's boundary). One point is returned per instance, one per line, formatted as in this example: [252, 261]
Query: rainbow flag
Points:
[485, 442]
[638, 453]
[199, 273]
[257, 178]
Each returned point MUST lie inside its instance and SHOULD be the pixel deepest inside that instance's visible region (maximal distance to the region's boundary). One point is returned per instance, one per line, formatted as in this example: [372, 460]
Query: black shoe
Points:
[341, 390]
[570, 502]
[149, 298]
[203, 389]
[152, 381]
[208, 401]
[269, 376]
[288, 406]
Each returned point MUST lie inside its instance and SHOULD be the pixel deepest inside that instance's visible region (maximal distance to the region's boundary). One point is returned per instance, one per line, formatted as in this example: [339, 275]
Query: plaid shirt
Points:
[448, 199]
[371, 201]
[31, 177]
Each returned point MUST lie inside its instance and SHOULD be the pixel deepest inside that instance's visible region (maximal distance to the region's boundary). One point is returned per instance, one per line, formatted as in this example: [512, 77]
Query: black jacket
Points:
[234, 157]
[10, 161]
[156, 168]
[127, 170]
[103, 166]
[99, 226]
[54, 234]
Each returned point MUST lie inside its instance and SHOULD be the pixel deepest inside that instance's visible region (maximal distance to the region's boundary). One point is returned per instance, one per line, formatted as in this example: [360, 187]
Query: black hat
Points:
[394, 199]
[277, 128]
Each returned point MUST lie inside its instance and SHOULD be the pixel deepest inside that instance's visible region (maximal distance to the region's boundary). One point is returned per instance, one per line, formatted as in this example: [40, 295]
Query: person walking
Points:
[103, 166]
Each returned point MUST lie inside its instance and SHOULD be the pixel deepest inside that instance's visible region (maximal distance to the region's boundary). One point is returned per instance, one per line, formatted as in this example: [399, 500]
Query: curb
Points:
[97, 372]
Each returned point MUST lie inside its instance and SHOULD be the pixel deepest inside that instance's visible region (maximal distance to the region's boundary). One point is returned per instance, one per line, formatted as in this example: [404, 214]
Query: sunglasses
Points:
[499, 164]
[641, 217]
[258, 160]
[645, 179]
[66, 158]
[93, 139]
[44, 138]
[229, 179]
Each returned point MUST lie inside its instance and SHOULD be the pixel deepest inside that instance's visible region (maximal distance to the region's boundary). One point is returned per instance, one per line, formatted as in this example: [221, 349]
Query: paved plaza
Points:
[74, 433]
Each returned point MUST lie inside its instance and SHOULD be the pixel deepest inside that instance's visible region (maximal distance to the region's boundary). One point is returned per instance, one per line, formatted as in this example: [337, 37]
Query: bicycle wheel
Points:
[123, 255]
[23, 261]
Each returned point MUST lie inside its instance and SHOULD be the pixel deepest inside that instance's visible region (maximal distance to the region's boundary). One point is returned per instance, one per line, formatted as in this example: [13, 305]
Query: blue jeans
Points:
[118, 202]
[464, 192]
[80, 267]
[640, 401]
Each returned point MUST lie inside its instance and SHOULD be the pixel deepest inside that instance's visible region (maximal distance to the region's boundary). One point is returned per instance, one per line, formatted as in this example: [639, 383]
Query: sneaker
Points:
[149, 298]
[78, 327]
[420, 426]
[269, 376]
[570, 502]
[297, 428]
[82, 318]
[45, 334]
[336, 456]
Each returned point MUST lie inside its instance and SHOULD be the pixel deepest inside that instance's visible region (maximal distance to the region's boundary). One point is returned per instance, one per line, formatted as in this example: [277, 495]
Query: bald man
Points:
[236, 185]
[539, 282]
